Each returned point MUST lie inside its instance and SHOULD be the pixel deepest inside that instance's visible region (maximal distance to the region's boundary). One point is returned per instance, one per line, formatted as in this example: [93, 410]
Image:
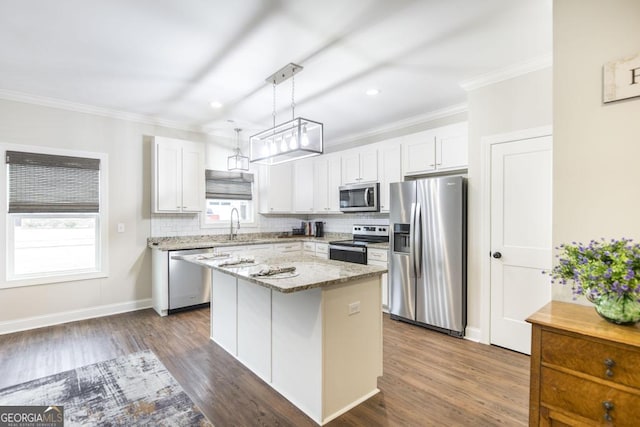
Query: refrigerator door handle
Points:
[417, 241]
[412, 236]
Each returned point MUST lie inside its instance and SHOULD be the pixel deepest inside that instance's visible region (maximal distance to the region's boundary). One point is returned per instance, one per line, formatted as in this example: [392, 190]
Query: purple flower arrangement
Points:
[601, 268]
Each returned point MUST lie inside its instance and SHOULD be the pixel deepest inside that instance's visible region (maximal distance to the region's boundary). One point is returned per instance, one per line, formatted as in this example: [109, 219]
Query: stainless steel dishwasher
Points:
[189, 284]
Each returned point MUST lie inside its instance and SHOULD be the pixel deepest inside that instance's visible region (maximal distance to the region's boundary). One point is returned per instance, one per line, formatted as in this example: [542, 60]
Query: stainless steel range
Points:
[355, 250]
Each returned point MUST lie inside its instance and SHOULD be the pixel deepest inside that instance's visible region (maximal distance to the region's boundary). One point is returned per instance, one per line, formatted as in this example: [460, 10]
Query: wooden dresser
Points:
[584, 370]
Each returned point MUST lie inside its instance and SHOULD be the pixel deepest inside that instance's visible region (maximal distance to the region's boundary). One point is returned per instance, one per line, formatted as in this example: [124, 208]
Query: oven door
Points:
[357, 255]
[360, 198]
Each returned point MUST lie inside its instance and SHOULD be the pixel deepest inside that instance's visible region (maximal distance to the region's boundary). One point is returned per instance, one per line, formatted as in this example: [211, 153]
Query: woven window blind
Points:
[45, 183]
[228, 185]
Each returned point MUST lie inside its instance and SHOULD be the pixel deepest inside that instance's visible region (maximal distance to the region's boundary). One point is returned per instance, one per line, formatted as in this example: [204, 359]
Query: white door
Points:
[521, 173]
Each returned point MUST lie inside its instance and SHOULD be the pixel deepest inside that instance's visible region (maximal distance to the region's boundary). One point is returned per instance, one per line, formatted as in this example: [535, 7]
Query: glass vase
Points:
[621, 310]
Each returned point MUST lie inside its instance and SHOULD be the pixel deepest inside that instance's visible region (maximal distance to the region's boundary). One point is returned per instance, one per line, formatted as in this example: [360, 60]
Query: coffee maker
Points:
[319, 227]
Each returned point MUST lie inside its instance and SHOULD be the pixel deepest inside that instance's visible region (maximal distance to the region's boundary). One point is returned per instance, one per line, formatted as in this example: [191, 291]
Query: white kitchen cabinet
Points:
[360, 165]
[178, 176]
[322, 250]
[290, 247]
[379, 257]
[244, 248]
[452, 147]
[303, 184]
[317, 249]
[390, 168]
[309, 248]
[327, 177]
[435, 150]
[275, 188]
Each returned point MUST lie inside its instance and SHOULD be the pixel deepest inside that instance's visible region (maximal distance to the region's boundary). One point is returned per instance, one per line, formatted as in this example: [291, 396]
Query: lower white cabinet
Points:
[288, 247]
[317, 249]
[322, 250]
[245, 248]
[309, 248]
[379, 257]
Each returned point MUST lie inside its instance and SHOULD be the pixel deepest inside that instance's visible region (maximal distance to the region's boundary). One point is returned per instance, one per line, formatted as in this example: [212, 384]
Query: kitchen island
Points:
[313, 334]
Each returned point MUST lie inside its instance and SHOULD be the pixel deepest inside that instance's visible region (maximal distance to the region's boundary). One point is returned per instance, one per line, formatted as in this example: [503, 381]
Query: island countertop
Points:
[310, 272]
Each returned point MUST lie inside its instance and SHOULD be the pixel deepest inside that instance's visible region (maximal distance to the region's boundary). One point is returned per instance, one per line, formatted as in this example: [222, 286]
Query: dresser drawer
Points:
[605, 361]
[574, 395]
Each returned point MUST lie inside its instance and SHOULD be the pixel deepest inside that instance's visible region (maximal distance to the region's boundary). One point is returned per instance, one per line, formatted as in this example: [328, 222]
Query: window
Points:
[226, 191]
[55, 220]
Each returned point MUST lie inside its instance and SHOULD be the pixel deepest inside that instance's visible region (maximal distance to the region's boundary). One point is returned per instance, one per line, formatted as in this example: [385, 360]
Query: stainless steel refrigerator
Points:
[427, 271]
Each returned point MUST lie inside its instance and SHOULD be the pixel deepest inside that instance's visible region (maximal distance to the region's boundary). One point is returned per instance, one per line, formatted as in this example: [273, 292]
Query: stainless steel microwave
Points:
[360, 197]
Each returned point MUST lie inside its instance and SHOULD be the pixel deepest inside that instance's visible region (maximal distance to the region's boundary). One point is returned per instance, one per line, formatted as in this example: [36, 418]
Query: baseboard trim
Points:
[72, 316]
[472, 334]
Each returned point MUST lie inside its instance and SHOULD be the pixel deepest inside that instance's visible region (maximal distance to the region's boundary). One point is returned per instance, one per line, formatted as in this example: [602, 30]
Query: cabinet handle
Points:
[608, 406]
[609, 363]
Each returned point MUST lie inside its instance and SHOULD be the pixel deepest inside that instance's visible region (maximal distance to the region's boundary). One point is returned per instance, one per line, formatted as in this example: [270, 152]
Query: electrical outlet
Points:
[354, 308]
[120, 227]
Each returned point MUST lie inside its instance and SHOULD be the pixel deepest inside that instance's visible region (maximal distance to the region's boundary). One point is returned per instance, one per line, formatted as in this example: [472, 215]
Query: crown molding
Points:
[91, 109]
[514, 70]
[402, 124]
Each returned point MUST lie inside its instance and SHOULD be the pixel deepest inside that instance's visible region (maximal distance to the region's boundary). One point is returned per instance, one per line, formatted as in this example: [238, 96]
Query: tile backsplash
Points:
[172, 225]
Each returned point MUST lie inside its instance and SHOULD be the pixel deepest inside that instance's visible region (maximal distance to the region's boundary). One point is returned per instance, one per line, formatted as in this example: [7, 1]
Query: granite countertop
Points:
[222, 240]
[311, 272]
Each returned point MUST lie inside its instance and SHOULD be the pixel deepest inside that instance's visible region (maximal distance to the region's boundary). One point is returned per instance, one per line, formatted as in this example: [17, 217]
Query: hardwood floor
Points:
[429, 378]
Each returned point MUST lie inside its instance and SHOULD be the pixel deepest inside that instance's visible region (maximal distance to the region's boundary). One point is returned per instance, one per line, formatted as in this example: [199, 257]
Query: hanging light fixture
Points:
[296, 139]
[238, 162]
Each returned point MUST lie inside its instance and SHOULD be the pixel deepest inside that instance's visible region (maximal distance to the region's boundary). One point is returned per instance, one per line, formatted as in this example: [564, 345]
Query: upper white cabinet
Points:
[327, 177]
[178, 176]
[389, 166]
[435, 150]
[303, 184]
[360, 165]
[275, 188]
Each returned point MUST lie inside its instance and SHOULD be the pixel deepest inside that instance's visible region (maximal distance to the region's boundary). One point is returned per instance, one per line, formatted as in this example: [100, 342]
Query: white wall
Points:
[129, 203]
[596, 145]
[522, 102]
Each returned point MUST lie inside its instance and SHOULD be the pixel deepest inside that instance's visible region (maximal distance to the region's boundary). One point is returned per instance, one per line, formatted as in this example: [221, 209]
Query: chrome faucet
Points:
[231, 234]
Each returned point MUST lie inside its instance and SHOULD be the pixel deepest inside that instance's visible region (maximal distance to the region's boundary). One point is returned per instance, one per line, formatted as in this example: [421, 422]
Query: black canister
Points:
[319, 228]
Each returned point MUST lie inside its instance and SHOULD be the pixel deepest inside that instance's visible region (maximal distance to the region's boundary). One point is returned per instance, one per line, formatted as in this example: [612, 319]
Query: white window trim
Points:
[103, 221]
[226, 224]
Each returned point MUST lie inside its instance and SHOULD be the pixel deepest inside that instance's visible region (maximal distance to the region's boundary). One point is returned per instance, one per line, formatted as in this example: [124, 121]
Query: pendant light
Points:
[296, 139]
[238, 162]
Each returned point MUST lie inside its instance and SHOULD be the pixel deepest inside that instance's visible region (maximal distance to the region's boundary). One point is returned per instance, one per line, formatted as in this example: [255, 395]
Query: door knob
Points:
[497, 255]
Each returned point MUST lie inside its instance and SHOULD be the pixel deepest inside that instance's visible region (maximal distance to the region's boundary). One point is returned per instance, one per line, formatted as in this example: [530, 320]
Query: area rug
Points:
[130, 390]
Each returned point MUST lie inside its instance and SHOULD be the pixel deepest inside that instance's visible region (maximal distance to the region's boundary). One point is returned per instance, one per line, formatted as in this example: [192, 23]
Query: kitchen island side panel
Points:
[352, 344]
[297, 349]
[224, 311]
[254, 328]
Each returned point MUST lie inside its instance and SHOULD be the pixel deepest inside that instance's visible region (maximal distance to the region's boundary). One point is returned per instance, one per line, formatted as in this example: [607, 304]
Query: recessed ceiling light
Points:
[372, 92]
[216, 104]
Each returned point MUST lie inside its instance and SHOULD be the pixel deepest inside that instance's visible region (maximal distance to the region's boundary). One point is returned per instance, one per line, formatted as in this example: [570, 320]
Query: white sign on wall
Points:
[622, 79]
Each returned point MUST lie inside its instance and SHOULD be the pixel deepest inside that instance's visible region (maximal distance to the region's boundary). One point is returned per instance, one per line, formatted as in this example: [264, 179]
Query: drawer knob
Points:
[608, 406]
[609, 363]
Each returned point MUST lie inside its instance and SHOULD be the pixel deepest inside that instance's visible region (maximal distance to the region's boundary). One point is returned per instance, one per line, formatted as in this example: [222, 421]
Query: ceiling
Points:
[168, 59]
